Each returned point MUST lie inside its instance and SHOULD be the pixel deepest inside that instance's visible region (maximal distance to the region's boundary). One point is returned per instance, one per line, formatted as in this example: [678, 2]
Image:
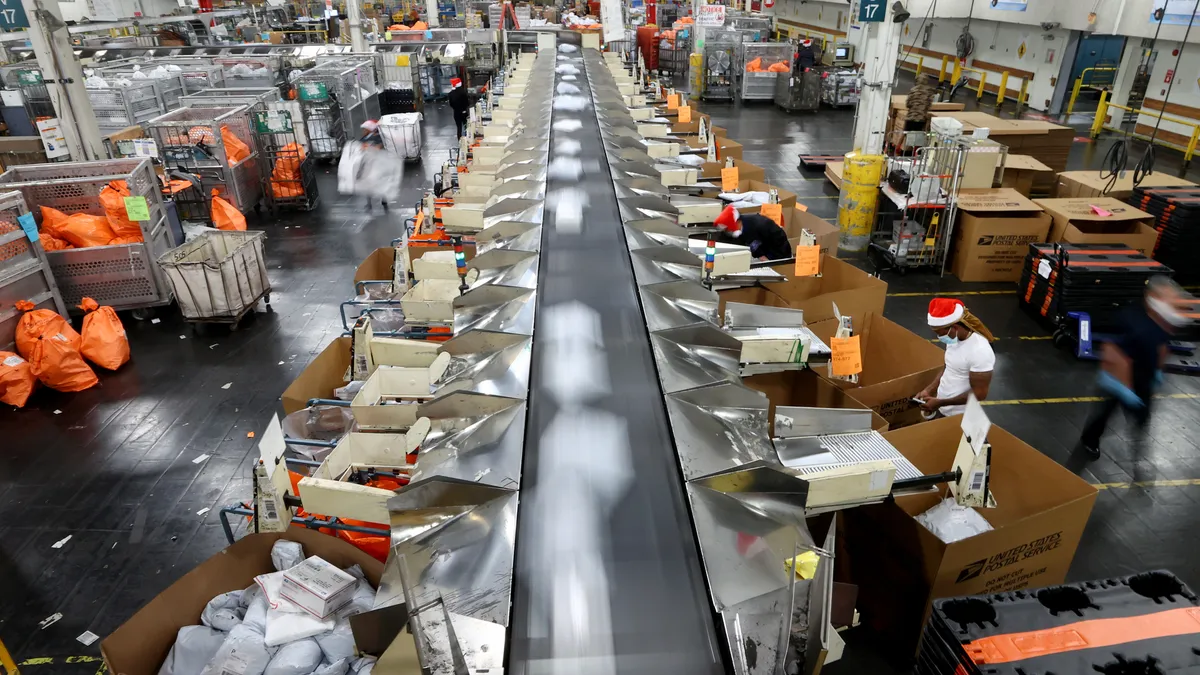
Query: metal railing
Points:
[1103, 110]
[1079, 84]
[956, 74]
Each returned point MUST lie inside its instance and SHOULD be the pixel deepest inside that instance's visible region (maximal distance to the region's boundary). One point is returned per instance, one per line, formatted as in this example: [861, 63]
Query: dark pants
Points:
[461, 123]
[915, 125]
[1098, 421]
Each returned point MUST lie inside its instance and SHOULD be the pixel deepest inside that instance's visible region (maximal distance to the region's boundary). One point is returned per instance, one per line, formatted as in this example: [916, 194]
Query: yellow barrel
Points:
[696, 74]
[856, 205]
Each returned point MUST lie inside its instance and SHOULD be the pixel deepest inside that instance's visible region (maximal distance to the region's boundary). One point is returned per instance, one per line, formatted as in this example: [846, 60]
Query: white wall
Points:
[76, 10]
[1186, 90]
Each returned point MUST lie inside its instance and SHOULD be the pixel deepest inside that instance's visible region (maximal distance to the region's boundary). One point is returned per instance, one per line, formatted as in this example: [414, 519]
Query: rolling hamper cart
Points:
[24, 270]
[401, 134]
[219, 276]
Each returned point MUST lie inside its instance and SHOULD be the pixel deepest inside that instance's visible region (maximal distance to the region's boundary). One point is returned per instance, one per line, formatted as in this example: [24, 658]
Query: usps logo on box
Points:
[971, 571]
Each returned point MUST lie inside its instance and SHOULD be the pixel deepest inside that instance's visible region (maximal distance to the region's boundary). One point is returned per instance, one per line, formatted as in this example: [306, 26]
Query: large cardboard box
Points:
[897, 365]
[826, 232]
[901, 567]
[855, 292]
[318, 380]
[1021, 171]
[711, 171]
[993, 233]
[1073, 184]
[787, 198]
[142, 643]
[834, 171]
[806, 388]
[1076, 222]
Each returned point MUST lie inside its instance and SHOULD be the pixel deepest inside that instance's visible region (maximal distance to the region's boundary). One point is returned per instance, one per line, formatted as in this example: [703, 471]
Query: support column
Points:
[354, 18]
[64, 79]
[880, 50]
[431, 12]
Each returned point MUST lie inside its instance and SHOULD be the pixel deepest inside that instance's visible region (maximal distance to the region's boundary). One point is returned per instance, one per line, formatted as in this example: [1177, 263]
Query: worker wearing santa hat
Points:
[460, 103]
[969, 359]
[766, 240]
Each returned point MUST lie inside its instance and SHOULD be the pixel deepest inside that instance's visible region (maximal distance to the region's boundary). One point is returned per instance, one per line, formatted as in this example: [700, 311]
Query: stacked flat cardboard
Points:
[1048, 143]
[1091, 184]
[993, 232]
[899, 110]
[833, 171]
[1082, 221]
[1021, 171]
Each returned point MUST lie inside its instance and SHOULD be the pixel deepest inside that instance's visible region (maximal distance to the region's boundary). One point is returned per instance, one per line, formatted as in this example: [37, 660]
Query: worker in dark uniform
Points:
[806, 57]
[766, 240]
[1131, 363]
[460, 103]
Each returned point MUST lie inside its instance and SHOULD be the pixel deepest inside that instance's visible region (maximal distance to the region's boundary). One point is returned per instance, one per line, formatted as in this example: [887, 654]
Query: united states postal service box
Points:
[1080, 184]
[901, 567]
[993, 232]
[1076, 221]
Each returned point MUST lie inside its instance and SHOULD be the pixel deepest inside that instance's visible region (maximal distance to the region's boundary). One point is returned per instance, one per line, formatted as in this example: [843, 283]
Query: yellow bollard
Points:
[856, 205]
[1074, 94]
[1003, 90]
[920, 64]
[1101, 113]
[942, 72]
[7, 665]
[1023, 97]
[696, 66]
[982, 81]
[1191, 148]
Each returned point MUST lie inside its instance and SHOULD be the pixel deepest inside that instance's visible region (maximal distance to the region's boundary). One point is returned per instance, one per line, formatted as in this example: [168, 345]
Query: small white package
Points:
[243, 653]
[318, 587]
[338, 644]
[295, 658]
[286, 554]
[288, 624]
[194, 647]
[224, 611]
[950, 522]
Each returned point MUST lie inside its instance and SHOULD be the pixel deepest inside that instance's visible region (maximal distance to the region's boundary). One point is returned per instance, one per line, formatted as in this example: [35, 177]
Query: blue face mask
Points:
[948, 340]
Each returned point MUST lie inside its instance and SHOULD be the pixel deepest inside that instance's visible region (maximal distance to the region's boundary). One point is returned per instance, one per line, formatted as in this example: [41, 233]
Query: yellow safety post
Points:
[1023, 97]
[1003, 89]
[1101, 114]
[942, 72]
[6, 662]
[856, 205]
[957, 72]
[1191, 148]
[696, 75]
[920, 64]
[1074, 94]
[982, 81]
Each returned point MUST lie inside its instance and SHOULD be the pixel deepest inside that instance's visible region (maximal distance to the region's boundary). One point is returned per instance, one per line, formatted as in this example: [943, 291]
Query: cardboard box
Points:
[787, 198]
[726, 147]
[711, 171]
[833, 171]
[142, 643]
[320, 377]
[317, 587]
[897, 365]
[806, 388]
[1021, 171]
[901, 567]
[993, 233]
[1079, 184]
[856, 292]
[1077, 223]
[826, 232]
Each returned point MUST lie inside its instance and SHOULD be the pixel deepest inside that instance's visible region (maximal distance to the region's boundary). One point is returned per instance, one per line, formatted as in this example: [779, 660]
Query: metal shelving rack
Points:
[190, 140]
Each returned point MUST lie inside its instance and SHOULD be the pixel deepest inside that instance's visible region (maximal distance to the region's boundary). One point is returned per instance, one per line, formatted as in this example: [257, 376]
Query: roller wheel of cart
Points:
[142, 313]
[1061, 339]
[267, 302]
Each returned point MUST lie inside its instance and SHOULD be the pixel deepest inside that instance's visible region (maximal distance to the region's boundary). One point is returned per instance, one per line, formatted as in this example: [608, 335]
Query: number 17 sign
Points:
[871, 10]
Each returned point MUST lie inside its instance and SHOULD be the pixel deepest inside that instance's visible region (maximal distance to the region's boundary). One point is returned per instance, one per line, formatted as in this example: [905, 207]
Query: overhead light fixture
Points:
[899, 14]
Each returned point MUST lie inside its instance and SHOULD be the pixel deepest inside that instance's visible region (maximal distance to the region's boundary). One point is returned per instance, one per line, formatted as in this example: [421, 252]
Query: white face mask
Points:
[1167, 312]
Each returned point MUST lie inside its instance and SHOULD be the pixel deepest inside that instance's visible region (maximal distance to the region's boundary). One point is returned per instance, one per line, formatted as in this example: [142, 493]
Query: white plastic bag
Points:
[256, 613]
[297, 658]
[338, 667]
[286, 554]
[379, 175]
[224, 611]
[951, 522]
[363, 665]
[194, 647]
[289, 623]
[337, 643]
[243, 652]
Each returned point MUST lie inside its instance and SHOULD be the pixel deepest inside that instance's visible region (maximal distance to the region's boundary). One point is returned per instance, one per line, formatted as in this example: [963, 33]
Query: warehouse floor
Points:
[125, 468]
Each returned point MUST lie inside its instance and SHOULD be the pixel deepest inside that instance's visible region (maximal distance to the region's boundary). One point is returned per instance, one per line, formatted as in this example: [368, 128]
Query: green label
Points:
[313, 91]
[272, 121]
[137, 208]
[29, 77]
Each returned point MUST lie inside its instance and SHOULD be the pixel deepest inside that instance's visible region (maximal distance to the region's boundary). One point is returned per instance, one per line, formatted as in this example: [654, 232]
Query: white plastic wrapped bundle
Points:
[571, 102]
[950, 522]
[751, 198]
[194, 647]
[286, 554]
[297, 658]
[243, 652]
[566, 88]
[224, 611]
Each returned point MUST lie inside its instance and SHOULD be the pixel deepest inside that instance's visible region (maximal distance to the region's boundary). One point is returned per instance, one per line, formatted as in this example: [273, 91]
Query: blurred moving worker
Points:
[766, 240]
[969, 359]
[370, 134]
[460, 103]
[918, 104]
[1131, 363]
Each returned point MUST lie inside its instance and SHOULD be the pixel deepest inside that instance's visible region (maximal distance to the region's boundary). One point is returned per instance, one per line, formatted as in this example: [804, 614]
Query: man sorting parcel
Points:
[969, 359]
[765, 239]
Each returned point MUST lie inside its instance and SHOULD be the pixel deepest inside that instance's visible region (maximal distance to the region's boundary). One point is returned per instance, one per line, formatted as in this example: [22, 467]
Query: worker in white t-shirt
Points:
[969, 359]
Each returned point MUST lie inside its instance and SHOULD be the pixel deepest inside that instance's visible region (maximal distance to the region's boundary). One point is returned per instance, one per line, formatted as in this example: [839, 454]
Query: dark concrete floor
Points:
[114, 466]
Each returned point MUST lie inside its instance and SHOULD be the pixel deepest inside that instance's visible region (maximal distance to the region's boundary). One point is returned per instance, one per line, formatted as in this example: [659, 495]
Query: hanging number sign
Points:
[871, 11]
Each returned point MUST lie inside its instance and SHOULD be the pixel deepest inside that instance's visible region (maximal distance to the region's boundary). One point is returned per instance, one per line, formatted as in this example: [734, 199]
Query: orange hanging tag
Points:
[847, 356]
[672, 101]
[729, 179]
[685, 114]
[774, 212]
[808, 261]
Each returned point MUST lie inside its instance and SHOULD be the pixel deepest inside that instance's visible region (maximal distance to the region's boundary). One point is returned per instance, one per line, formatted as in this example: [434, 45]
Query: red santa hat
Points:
[455, 82]
[728, 219]
[945, 312]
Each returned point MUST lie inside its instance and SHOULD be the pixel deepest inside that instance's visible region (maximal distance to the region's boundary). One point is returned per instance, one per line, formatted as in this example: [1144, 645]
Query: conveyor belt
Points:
[608, 572]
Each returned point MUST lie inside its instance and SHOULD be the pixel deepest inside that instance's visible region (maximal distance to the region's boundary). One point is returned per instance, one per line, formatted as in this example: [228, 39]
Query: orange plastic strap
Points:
[1102, 263]
[1092, 634]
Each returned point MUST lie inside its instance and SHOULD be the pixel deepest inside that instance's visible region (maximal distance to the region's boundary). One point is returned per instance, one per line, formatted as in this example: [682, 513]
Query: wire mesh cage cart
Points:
[169, 88]
[720, 65]
[124, 276]
[33, 90]
[289, 180]
[673, 55]
[252, 70]
[24, 271]
[917, 205]
[758, 80]
[219, 276]
[218, 146]
[119, 107]
[333, 99]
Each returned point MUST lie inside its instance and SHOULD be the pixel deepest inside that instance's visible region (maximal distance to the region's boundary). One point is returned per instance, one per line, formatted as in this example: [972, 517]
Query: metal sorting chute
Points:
[656, 232]
[494, 307]
[695, 356]
[720, 427]
[511, 235]
[656, 264]
[773, 338]
[473, 436]
[503, 266]
[489, 362]
[671, 304]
